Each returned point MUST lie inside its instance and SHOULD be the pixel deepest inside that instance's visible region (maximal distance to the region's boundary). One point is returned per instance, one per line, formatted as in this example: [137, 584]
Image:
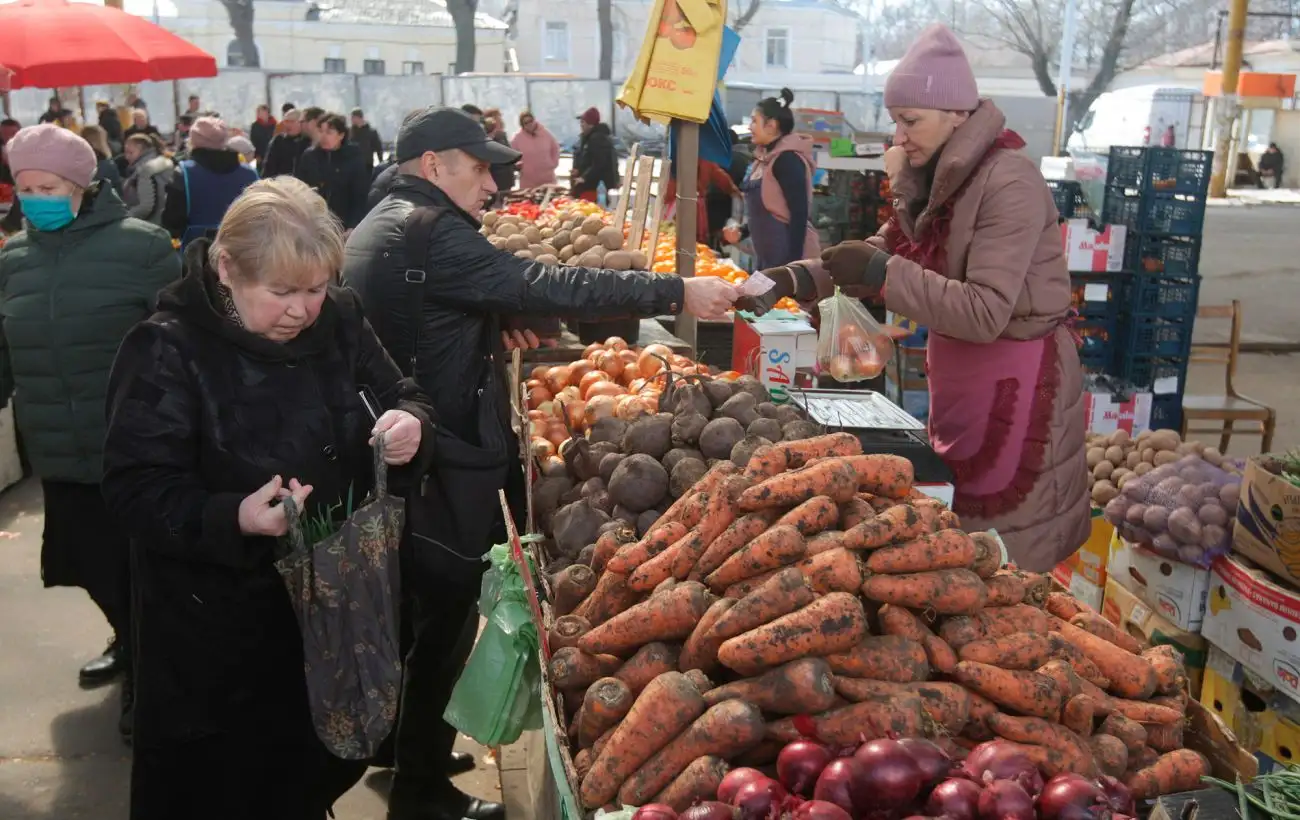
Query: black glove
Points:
[785, 286]
[857, 267]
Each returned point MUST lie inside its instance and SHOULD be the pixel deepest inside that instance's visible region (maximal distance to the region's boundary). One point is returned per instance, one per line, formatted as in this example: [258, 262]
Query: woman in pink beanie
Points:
[974, 253]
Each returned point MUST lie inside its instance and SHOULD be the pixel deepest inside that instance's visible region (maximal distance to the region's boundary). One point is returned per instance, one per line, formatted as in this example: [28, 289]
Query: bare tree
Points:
[241, 23]
[462, 16]
[745, 17]
[605, 23]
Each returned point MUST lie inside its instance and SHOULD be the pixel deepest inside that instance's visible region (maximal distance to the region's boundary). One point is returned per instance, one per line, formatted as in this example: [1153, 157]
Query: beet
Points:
[720, 436]
[768, 410]
[624, 516]
[690, 398]
[677, 454]
[786, 413]
[685, 474]
[744, 449]
[718, 391]
[646, 520]
[609, 428]
[796, 430]
[754, 387]
[585, 556]
[741, 408]
[639, 483]
[601, 500]
[576, 526]
[608, 464]
[687, 428]
[650, 435]
[768, 428]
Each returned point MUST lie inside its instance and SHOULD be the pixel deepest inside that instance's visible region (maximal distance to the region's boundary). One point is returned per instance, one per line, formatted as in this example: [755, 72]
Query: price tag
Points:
[1096, 292]
[756, 285]
[1139, 614]
[1165, 386]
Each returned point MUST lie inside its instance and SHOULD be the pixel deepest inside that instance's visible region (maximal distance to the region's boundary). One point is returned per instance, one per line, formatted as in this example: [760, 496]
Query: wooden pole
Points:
[688, 166]
[1228, 104]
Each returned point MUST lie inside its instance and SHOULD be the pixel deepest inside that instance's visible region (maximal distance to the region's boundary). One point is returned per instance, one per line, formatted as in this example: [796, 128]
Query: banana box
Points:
[1124, 609]
[1084, 573]
[1256, 620]
[1265, 722]
[1178, 592]
[1267, 529]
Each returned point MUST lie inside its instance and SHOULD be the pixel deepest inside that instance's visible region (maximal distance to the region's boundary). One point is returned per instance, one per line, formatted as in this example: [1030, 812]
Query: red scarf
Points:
[930, 249]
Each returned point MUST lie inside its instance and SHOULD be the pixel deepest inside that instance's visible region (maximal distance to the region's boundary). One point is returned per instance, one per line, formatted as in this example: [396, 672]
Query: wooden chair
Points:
[1232, 406]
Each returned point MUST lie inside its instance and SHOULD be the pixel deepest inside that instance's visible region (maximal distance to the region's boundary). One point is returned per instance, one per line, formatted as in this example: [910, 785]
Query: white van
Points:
[1141, 115]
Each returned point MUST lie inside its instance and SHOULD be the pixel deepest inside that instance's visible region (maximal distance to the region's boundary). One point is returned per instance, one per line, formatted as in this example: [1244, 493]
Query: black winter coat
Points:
[341, 177]
[468, 284]
[202, 413]
[596, 160]
[283, 153]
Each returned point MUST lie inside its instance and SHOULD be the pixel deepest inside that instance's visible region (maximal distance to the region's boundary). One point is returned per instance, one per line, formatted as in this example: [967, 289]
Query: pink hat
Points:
[55, 150]
[209, 132]
[934, 73]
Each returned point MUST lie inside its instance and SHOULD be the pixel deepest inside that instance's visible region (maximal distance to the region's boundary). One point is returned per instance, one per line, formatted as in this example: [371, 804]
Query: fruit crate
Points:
[1173, 170]
[1155, 336]
[1162, 297]
[1126, 167]
[1098, 338]
[1162, 375]
[1155, 213]
[1167, 412]
[1098, 296]
[1070, 200]
[1164, 255]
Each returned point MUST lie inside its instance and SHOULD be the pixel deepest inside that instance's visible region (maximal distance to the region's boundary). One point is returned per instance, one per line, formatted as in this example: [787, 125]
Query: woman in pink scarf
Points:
[974, 254]
[541, 153]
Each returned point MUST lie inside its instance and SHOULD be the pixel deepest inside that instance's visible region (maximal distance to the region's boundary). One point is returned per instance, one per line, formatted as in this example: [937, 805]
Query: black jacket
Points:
[341, 176]
[282, 154]
[202, 413]
[112, 125]
[367, 139]
[468, 283]
[503, 175]
[596, 161]
[176, 216]
[383, 179]
[260, 134]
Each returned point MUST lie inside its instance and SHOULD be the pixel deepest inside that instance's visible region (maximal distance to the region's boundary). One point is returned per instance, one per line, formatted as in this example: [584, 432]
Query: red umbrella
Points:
[54, 43]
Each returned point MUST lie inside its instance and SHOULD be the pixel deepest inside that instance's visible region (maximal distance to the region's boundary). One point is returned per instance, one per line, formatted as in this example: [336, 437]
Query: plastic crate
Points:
[1070, 200]
[1163, 376]
[1098, 295]
[1118, 209]
[1164, 255]
[1162, 297]
[1126, 167]
[1154, 336]
[1098, 343]
[1167, 412]
[1155, 213]
[1172, 170]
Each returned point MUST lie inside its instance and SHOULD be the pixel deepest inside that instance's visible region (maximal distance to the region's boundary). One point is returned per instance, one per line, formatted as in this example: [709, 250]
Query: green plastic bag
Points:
[498, 695]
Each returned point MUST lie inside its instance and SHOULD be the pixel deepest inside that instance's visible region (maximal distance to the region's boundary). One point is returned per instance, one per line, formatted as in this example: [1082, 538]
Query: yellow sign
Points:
[676, 72]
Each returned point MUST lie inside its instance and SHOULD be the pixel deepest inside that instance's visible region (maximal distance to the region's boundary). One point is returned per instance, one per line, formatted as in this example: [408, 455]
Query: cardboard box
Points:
[1084, 573]
[1089, 251]
[1267, 530]
[1264, 721]
[1256, 620]
[1126, 610]
[781, 353]
[1106, 413]
[1176, 591]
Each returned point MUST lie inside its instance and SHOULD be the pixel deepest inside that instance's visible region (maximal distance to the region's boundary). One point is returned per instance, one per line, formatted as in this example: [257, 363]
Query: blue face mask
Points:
[47, 212]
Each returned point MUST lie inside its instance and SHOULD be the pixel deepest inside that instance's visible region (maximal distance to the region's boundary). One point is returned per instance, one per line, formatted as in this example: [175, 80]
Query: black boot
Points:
[126, 720]
[104, 668]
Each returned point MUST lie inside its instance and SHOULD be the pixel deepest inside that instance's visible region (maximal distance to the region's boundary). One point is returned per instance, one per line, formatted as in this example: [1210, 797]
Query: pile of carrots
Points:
[815, 593]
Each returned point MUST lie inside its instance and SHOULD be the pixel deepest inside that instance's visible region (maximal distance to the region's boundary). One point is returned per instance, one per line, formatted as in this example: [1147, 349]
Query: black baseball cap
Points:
[442, 129]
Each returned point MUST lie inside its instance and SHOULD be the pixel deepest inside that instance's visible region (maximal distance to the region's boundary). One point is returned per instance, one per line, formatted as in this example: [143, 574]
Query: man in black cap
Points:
[436, 292]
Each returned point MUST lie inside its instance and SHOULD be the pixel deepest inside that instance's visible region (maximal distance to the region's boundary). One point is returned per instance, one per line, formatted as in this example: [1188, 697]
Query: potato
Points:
[639, 261]
[1163, 457]
[490, 219]
[1136, 514]
[1190, 496]
[1103, 492]
[1165, 440]
[524, 254]
[611, 237]
[533, 233]
[1165, 544]
[536, 250]
[566, 253]
[1144, 435]
[592, 225]
[1212, 512]
[583, 243]
[506, 229]
[618, 260]
[547, 232]
[1156, 518]
[1133, 459]
[1126, 479]
[1214, 537]
[1149, 455]
[1115, 455]
[1102, 471]
[547, 259]
[591, 259]
[516, 242]
[1117, 507]
[1212, 455]
[1185, 526]
[1118, 474]
[1120, 437]
[498, 242]
[1143, 468]
[561, 238]
[1230, 497]
[1096, 455]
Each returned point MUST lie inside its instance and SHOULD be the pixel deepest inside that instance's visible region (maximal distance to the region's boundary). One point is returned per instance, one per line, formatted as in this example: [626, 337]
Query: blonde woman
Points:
[243, 389]
[106, 170]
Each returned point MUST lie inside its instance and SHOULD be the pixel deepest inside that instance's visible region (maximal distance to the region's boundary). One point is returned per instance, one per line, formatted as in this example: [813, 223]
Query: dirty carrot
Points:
[1039, 732]
[945, 591]
[1028, 693]
[839, 570]
[599, 745]
[1171, 670]
[823, 542]
[946, 549]
[573, 668]
[698, 781]
[1068, 683]
[832, 623]
[873, 718]
[700, 680]
[650, 574]
[798, 453]
[990, 559]
[812, 516]
[1077, 715]
[895, 620]
[728, 729]
[993, 622]
[1083, 667]
[883, 657]
[1021, 650]
[765, 462]
[659, 538]
[606, 703]
[705, 485]
[854, 511]
[1146, 712]
[1131, 676]
[582, 762]
[779, 595]
[566, 631]
[701, 648]
[571, 586]
[883, 474]
[740, 589]
[1064, 606]
[901, 522]
[779, 546]
[802, 686]
[831, 477]
[1165, 737]
[666, 617]
[1131, 733]
[1104, 629]
[947, 704]
[609, 543]
[663, 709]
[738, 534]
[1005, 589]
[718, 515]
[1176, 771]
[649, 662]
[1110, 753]
[664, 585]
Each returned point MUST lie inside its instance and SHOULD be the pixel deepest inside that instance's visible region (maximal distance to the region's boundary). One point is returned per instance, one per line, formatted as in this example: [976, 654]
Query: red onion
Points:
[1000, 760]
[835, 783]
[955, 799]
[711, 810]
[820, 810]
[1006, 800]
[759, 799]
[934, 762]
[890, 776]
[655, 811]
[800, 763]
[1118, 796]
[1071, 797]
[734, 779]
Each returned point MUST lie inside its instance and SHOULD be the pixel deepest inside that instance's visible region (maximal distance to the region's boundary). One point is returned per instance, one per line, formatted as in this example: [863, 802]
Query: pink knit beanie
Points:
[55, 150]
[209, 132]
[934, 73]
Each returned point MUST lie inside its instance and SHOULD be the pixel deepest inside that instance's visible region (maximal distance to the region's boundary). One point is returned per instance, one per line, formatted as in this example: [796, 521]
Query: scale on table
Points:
[881, 425]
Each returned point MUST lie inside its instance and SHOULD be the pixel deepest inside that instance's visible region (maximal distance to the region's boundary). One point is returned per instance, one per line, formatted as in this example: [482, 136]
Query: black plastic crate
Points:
[1098, 295]
[1098, 340]
[1167, 412]
[1173, 170]
[1162, 297]
[1154, 336]
[1163, 376]
[1119, 209]
[1155, 213]
[1071, 203]
[1164, 255]
[1126, 167]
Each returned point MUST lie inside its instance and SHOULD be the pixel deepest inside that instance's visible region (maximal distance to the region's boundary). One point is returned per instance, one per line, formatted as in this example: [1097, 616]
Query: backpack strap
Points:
[416, 235]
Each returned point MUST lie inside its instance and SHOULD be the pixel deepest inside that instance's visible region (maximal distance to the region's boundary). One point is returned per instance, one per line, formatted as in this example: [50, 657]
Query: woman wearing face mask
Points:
[974, 254]
[148, 175]
[71, 285]
[242, 390]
